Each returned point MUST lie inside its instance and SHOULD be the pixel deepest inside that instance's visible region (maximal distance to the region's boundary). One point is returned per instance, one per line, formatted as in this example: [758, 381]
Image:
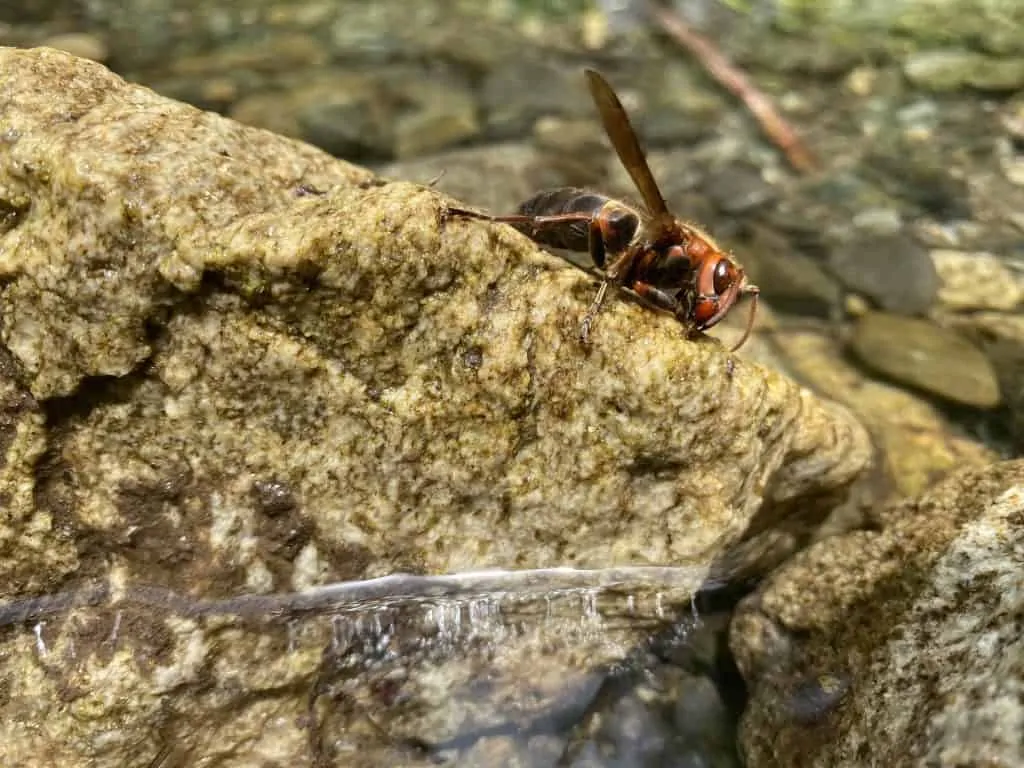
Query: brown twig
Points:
[733, 79]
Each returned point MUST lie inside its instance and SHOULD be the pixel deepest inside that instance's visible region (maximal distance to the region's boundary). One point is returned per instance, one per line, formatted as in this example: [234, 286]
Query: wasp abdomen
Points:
[554, 202]
[617, 226]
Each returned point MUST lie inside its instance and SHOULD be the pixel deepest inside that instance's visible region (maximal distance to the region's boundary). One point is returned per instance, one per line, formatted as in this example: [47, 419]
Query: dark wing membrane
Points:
[623, 138]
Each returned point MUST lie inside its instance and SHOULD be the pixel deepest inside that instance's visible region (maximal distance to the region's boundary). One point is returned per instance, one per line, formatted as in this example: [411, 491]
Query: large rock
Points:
[898, 646]
[233, 364]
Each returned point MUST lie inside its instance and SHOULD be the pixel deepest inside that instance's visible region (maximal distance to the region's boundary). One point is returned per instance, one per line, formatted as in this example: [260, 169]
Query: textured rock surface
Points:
[917, 621]
[234, 364]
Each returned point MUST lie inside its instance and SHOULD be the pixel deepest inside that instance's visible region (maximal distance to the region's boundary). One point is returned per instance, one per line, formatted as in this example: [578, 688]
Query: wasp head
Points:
[720, 284]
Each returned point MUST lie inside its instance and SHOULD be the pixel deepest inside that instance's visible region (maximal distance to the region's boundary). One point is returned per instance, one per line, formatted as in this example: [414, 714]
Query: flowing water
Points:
[560, 666]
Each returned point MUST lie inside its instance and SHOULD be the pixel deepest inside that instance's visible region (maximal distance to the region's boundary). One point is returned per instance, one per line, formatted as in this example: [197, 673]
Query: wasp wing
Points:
[627, 147]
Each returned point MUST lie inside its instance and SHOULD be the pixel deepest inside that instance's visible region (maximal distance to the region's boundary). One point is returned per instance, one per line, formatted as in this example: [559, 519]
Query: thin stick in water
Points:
[736, 82]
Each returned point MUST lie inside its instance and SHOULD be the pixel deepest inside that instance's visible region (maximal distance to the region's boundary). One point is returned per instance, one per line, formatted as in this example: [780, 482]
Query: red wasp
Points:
[669, 264]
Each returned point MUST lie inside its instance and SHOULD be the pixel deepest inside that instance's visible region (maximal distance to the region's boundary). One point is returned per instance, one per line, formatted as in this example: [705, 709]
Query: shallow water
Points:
[480, 593]
[420, 645]
[447, 667]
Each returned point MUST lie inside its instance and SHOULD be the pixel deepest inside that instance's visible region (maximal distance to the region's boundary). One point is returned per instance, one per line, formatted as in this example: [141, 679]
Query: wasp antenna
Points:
[754, 292]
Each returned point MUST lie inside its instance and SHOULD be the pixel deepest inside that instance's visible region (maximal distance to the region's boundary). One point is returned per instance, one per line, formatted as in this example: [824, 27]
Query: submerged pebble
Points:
[926, 356]
[945, 70]
[976, 280]
[894, 271]
[796, 282]
[739, 189]
[82, 44]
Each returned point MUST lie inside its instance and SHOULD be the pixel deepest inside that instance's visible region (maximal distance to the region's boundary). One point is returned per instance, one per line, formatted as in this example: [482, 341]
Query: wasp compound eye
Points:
[723, 278]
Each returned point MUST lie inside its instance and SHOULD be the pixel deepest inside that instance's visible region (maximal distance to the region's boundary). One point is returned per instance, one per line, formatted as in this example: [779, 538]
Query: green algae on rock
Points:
[206, 310]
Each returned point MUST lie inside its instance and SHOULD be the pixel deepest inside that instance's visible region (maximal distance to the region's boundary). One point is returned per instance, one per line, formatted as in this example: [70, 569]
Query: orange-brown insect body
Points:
[671, 265]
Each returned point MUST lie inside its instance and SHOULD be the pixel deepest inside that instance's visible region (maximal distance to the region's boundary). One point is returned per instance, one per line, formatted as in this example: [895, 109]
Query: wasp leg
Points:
[468, 214]
[595, 307]
[595, 242]
[598, 253]
[595, 247]
[537, 222]
[463, 213]
[655, 296]
[615, 275]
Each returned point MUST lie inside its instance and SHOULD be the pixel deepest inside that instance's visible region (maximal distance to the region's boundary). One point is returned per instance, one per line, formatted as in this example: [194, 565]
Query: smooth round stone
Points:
[79, 44]
[894, 271]
[926, 356]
